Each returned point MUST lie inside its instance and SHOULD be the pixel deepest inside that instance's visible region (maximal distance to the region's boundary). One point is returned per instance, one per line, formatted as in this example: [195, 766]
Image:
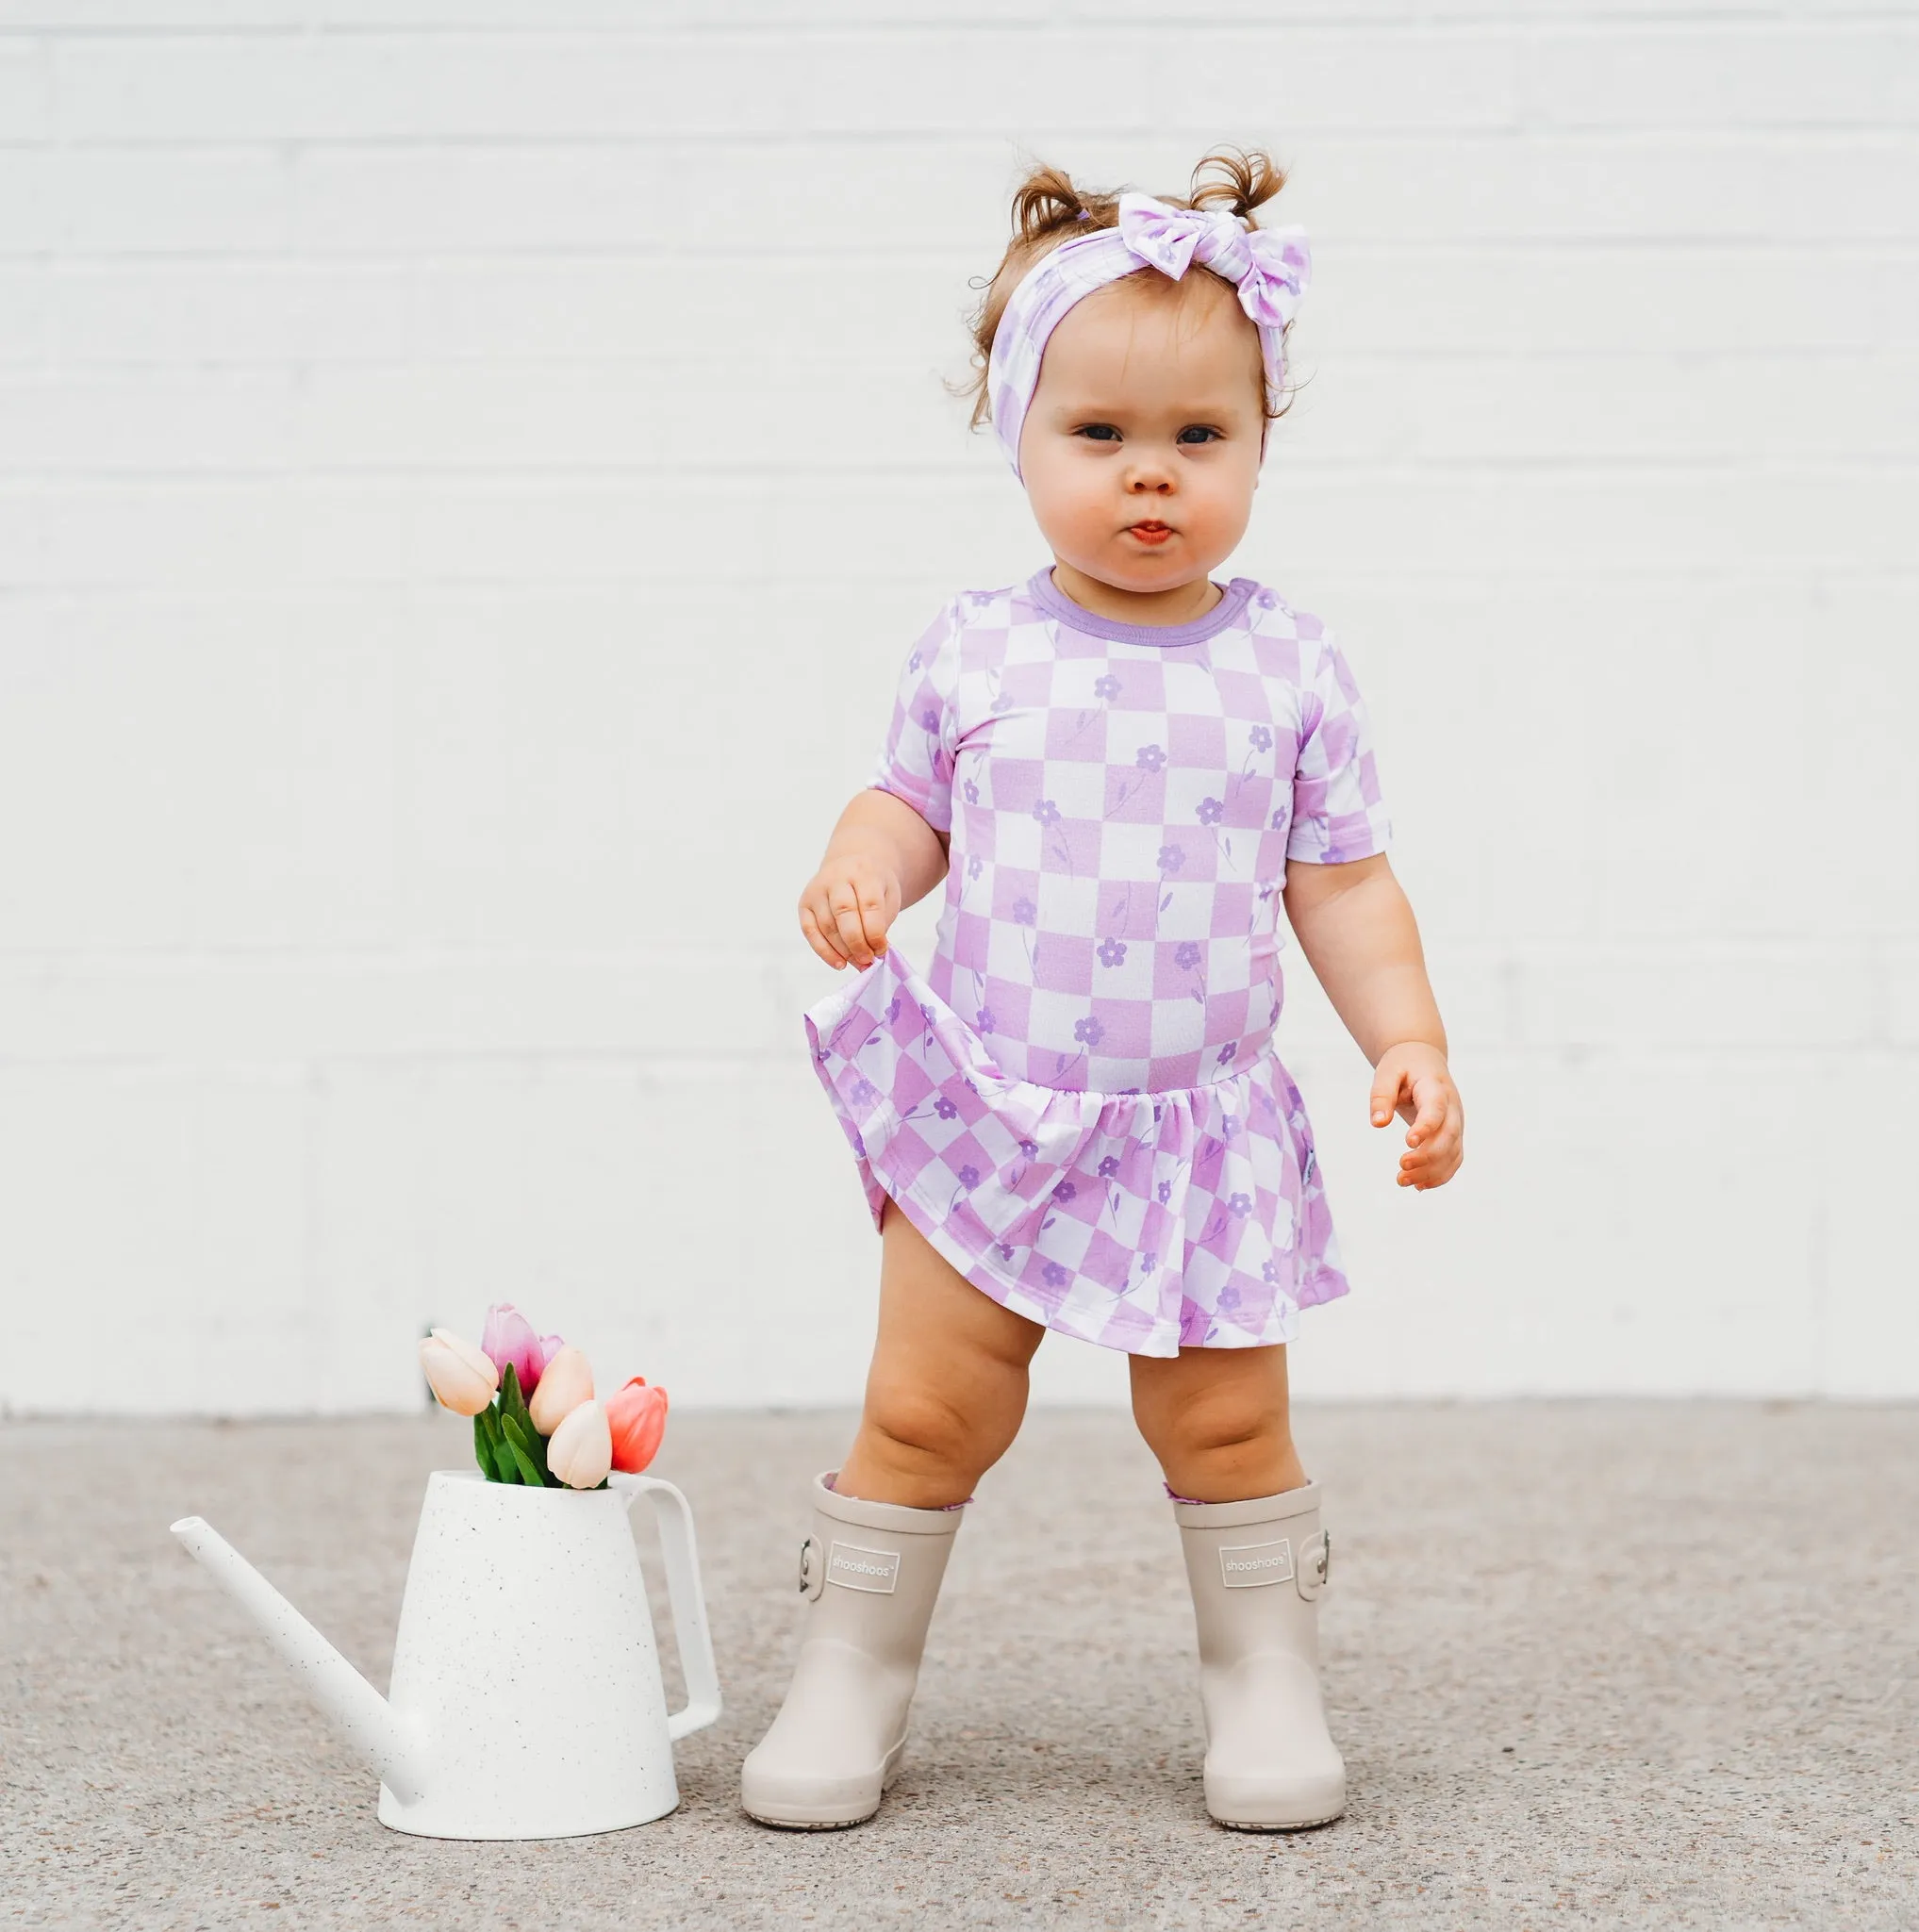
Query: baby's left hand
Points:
[1412, 1081]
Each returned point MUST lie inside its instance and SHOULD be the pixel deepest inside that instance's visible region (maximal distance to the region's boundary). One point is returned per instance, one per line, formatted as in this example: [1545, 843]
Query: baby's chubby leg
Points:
[1217, 1420]
[947, 1388]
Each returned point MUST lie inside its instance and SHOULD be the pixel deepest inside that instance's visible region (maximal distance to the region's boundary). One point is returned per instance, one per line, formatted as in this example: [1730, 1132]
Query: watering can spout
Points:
[384, 1740]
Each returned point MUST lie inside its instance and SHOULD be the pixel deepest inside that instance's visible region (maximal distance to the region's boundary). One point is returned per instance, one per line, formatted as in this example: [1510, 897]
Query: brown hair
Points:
[1048, 210]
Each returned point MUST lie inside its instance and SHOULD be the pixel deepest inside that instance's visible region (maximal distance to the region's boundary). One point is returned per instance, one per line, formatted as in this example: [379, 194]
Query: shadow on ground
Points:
[1646, 1665]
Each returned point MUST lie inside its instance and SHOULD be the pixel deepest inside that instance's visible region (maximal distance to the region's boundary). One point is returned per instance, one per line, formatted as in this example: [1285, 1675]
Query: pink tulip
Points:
[508, 1337]
[581, 1451]
[566, 1382]
[460, 1374]
[637, 1417]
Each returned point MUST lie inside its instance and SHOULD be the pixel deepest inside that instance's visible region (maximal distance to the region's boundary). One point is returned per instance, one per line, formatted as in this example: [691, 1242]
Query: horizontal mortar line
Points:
[745, 23]
[629, 1063]
[295, 361]
[59, 969]
[1422, 243]
[1515, 45]
[531, 472]
[290, 374]
[288, 149]
[1896, 249]
[1798, 574]
[623, 1059]
[57, 965]
[294, 367]
[1804, 573]
[287, 146]
[1330, 24]
[970, 477]
[291, 147]
[1426, 245]
[436, 592]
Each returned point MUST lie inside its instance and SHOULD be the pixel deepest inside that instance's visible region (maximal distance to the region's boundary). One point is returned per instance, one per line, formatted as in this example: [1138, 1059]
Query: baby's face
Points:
[1147, 414]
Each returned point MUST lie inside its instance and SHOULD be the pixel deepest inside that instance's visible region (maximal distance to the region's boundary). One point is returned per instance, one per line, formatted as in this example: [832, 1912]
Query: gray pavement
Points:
[1641, 1665]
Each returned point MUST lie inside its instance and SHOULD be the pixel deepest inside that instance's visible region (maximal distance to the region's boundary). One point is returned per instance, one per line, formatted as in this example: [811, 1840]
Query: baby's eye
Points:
[1097, 431]
[1198, 432]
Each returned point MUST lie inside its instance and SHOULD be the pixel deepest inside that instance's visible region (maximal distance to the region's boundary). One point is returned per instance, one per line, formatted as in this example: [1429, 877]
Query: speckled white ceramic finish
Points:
[526, 1698]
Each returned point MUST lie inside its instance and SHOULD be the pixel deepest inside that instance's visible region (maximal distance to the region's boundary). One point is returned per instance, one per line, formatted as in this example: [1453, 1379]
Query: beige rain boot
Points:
[1256, 1570]
[869, 1572]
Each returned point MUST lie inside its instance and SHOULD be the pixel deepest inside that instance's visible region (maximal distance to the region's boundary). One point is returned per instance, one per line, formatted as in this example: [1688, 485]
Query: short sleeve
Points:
[1338, 812]
[916, 762]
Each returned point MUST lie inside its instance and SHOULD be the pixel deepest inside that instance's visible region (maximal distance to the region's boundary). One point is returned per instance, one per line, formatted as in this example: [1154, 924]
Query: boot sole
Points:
[894, 1765]
[1301, 1824]
[810, 1823]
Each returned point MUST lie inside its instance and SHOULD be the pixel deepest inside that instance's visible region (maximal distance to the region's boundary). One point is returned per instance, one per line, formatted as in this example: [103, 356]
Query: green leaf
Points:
[496, 1462]
[483, 1449]
[512, 1403]
[528, 1474]
[530, 1471]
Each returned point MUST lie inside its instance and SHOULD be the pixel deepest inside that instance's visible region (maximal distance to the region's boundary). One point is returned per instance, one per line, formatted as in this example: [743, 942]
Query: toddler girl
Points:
[1075, 1119]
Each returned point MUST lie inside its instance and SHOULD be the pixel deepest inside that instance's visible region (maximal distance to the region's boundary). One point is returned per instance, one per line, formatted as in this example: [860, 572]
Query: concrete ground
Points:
[1636, 1665]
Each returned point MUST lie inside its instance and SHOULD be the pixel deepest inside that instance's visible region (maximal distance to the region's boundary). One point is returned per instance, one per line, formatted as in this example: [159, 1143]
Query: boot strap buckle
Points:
[811, 1568]
[1315, 1565]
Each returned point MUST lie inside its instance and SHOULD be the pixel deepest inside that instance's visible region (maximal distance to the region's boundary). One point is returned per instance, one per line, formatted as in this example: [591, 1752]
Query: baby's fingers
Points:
[862, 905]
[1435, 1158]
[1431, 1166]
[1383, 1102]
[1430, 1101]
[1431, 1154]
[816, 939]
[848, 932]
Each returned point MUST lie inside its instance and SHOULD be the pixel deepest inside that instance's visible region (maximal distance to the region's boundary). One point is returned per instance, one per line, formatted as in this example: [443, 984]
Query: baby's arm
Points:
[883, 855]
[1358, 933]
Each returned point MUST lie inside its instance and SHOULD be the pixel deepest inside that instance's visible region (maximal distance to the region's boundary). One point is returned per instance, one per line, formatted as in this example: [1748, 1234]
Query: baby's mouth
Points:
[1151, 531]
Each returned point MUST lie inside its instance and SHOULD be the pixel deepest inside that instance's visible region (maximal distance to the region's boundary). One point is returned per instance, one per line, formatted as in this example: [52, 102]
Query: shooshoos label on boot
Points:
[1247, 1564]
[877, 1570]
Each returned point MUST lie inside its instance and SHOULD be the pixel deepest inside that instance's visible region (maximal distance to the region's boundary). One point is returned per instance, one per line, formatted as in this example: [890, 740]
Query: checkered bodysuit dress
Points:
[1079, 1103]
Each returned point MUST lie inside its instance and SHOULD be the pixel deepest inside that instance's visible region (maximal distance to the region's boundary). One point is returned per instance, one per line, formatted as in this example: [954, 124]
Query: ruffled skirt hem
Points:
[1150, 1222]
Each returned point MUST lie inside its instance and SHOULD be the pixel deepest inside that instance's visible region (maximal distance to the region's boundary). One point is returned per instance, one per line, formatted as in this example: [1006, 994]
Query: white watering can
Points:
[526, 1697]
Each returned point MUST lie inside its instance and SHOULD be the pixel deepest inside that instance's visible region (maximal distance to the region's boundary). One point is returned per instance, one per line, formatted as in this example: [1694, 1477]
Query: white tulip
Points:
[458, 1373]
[566, 1382]
[581, 1451]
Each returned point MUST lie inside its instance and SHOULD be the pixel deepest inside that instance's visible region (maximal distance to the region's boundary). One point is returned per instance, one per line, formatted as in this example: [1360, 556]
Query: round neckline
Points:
[1055, 602]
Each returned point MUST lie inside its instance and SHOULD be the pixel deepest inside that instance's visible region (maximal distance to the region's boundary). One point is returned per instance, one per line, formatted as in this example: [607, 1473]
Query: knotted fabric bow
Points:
[1269, 267]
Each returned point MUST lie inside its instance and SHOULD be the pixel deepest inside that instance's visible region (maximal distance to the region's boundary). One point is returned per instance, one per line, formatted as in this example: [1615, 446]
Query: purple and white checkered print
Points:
[1079, 1104]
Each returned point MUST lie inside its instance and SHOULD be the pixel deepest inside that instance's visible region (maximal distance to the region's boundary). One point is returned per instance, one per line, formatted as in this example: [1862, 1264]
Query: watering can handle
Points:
[688, 1599]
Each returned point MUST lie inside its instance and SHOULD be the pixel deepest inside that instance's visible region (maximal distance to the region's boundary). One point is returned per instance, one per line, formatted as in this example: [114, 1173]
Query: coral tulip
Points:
[458, 1373]
[637, 1417]
[564, 1384]
[581, 1451]
[508, 1337]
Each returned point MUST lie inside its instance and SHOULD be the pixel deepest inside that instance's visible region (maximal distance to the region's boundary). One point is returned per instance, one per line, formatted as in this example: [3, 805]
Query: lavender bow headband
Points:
[1270, 267]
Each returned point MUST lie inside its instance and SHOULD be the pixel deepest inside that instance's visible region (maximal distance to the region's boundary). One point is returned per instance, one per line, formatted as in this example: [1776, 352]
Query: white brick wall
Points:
[408, 409]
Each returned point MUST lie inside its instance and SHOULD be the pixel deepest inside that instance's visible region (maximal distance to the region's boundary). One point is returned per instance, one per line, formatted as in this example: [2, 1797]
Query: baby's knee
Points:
[919, 1426]
[1220, 1426]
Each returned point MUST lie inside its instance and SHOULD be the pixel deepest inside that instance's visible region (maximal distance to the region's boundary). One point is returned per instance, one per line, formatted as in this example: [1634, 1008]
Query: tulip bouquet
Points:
[536, 1419]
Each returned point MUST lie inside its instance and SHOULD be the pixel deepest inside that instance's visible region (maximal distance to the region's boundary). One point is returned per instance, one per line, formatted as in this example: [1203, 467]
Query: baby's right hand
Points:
[847, 906]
